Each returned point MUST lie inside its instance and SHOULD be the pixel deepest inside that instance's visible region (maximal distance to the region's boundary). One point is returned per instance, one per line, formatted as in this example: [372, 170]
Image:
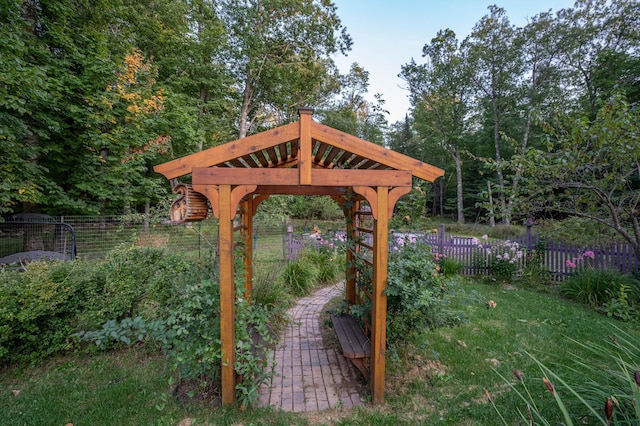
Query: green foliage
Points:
[417, 294]
[37, 311]
[43, 306]
[254, 338]
[576, 230]
[300, 276]
[603, 289]
[268, 289]
[327, 259]
[608, 393]
[447, 266]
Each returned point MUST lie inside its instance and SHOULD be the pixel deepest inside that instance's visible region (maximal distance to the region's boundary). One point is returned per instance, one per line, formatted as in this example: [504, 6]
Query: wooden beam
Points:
[227, 296]
[379, 299]
[304, 156]
[238, 148]
[289, 177]
[375, 152]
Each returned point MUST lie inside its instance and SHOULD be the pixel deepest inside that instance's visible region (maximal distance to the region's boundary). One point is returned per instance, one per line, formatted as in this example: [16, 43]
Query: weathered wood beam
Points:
[289, 177]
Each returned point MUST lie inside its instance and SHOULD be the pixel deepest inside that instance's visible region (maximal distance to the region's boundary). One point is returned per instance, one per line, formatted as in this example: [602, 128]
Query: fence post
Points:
[529, 223]
[441, 239]
[290, 232]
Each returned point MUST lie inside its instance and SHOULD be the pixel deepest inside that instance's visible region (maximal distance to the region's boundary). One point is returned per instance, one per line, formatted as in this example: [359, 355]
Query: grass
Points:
[437, 378]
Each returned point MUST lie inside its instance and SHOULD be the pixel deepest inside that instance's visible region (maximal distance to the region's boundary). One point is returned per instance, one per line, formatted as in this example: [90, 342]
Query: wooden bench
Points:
[354, 343]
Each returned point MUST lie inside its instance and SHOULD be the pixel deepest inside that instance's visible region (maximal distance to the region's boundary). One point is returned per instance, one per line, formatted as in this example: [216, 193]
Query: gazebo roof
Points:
[284, 147]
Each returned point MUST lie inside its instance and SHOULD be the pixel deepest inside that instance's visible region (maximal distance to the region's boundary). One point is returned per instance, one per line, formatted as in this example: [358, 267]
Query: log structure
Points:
[304, 158]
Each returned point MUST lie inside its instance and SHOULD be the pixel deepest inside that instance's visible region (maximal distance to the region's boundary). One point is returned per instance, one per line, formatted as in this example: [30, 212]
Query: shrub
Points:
[326, 262]
[417, 293]
[37, 311]
[43, 306]
[604, 289]
[448, 266]
[300, 276]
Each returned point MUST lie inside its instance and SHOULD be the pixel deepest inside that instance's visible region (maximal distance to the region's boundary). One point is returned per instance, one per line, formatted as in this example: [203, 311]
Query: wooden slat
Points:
[250, 161]
[368, 164]
[274, 160]
[262, 158]
[353, 163]
[282, 150]
[220, 154]
[320, 153]
[340, 159]
[353, 341]
[375, 152]
[237, 163]
[332, 154]
[295, 145]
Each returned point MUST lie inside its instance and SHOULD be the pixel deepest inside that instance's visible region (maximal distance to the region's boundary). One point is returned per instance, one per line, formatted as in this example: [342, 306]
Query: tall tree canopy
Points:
[93, 94]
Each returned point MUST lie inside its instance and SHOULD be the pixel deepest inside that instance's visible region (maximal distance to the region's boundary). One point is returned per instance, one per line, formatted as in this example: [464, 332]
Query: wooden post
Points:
[247, 207]
[227, 296]
[379, 302]
[304, 156]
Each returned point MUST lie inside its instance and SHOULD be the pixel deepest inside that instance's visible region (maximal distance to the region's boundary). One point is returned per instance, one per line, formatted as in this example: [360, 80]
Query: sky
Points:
[388, 33]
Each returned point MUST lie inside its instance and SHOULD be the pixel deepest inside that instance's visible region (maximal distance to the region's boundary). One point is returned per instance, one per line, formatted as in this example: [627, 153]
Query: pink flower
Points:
[485, 237]
[570, 264]
[590, 254]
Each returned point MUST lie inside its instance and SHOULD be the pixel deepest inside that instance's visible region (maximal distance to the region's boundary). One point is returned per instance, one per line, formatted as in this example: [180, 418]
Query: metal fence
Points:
[33, 237]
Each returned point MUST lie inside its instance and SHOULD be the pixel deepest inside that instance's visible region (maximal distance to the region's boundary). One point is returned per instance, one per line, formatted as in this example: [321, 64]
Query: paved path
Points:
[307, 375]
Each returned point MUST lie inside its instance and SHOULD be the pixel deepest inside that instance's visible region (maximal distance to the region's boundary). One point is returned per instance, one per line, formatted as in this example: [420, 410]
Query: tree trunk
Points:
[244, 111]
[492, 216]
[496, 140]
[460, 204]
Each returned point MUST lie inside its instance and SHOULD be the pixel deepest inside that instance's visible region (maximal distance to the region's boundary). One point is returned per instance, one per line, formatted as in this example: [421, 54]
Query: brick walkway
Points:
[307, 375]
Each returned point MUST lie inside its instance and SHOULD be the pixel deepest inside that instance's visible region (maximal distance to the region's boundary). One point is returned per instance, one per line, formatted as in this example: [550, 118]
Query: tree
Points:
[439, 93]
[495, 57]
[278, 53]
[599, 42]
[352, 113]
[589, 169]
[124, 138]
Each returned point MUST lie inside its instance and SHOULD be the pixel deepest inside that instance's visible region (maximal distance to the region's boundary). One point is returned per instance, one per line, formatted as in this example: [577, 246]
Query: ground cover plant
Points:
[434, 375]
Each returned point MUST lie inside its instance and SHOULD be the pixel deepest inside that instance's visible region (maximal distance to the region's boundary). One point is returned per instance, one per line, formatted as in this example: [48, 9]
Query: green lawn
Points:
[437, 380]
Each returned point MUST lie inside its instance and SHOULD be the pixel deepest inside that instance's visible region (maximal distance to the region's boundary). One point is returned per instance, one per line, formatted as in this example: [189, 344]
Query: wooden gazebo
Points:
[301, 158]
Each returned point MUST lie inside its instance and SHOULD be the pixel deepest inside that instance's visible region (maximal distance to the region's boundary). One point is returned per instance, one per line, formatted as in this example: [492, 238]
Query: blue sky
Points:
[388, 33]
